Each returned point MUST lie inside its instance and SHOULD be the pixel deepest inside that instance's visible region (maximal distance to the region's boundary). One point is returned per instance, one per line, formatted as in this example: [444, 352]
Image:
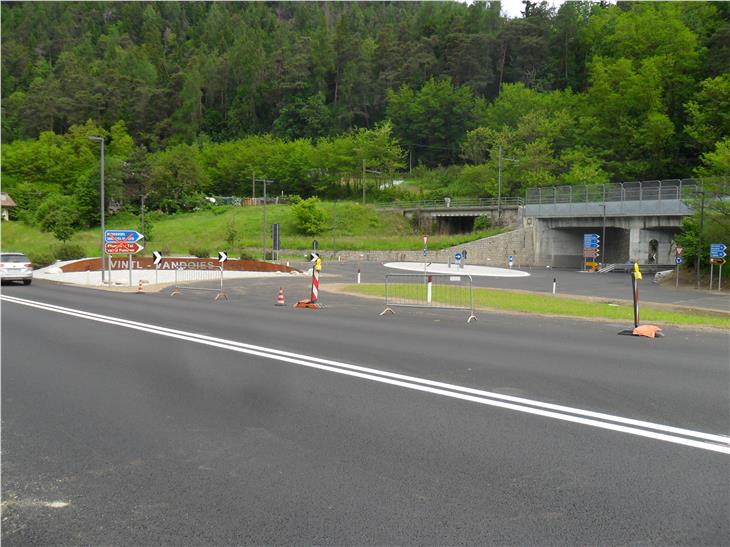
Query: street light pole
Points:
[363, 182]
[603, 235]
[101, 205]
[699, 236]
[265, 220]
[499, 187]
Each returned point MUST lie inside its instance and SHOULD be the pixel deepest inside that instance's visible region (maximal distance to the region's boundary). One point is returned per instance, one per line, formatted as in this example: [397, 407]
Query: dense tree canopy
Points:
[195, 97]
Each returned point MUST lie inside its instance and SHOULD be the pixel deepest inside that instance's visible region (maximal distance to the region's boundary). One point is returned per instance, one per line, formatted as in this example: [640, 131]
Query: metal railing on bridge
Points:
[428, 290]
[453, 202]
[648, 190]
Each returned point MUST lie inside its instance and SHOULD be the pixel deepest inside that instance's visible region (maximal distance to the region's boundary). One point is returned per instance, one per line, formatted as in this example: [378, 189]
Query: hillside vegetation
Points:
[239, 230]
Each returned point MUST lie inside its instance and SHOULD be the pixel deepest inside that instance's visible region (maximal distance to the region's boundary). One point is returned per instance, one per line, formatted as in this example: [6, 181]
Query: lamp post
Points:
[101, 201]
[499, 184]
[265, 182]
[603, 235]
[698, 256]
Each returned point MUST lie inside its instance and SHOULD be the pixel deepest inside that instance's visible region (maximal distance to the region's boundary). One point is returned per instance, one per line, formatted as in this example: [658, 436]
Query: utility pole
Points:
[363, 182]
[334, 228]
[499, 187]
[699, 236]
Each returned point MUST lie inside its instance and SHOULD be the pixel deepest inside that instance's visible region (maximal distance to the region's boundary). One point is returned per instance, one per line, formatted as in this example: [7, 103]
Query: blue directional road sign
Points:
[510, 259]
[590, 241]
[678, 260]
[717, 250]
[118, 236]
[457, 256]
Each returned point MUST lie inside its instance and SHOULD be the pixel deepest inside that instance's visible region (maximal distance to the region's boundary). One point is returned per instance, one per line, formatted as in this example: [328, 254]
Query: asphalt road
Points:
[568, 282]
[157, 421]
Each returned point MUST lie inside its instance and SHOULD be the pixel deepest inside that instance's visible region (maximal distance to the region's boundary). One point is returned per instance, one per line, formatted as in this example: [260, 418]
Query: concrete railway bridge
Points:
[637, 221]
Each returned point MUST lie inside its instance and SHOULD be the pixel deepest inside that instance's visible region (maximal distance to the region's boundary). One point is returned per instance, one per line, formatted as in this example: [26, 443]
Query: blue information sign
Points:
[458, 256]
[717, 250]
[678, 260]
[119, 236]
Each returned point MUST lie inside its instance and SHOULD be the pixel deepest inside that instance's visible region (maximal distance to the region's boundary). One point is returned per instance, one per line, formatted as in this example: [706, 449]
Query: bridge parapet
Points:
[644, 198]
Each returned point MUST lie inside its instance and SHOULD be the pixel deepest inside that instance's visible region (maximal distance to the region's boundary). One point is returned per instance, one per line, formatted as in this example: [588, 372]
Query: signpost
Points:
[591, 246]
[157, 259]
[717, 256]
[122, 242]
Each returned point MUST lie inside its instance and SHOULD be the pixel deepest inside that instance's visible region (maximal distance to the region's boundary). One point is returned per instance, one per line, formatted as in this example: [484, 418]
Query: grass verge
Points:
[515, 301]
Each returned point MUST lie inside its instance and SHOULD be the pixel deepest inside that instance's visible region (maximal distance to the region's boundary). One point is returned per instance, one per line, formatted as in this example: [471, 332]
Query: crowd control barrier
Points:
[199, 280]
[427, 290]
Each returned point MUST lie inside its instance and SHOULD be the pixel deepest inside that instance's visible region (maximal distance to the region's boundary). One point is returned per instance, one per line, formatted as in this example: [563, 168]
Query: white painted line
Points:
[712, 442]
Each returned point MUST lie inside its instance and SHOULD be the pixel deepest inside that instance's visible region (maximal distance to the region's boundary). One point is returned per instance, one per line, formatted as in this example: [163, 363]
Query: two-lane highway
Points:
[145, 419]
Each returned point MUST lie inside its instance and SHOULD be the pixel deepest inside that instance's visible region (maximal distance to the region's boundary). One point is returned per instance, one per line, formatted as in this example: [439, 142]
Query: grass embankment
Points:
[515, 301]
[358, 228]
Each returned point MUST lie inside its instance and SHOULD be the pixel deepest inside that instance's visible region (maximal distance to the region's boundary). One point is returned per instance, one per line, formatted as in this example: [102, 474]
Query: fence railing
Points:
[427, 290]
[199, 280]
[647, 190]
[453, 202]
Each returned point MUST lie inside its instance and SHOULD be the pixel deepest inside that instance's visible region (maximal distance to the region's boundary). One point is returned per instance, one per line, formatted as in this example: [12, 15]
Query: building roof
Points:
[6, 200]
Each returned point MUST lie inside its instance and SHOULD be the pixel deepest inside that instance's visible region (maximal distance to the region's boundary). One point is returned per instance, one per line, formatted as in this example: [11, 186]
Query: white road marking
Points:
[677, 435]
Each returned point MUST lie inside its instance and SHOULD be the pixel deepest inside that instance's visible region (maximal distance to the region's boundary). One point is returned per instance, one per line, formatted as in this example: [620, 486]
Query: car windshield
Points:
[14, 258]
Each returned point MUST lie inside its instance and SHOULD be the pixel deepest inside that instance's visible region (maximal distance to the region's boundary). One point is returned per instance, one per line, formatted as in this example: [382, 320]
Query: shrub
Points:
[200, 252]
[41, 259]
[246, 255]
[69, 252]
[482, 223]
[309, 217]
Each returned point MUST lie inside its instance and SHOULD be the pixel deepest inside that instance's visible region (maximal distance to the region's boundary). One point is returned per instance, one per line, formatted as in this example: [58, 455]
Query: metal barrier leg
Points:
[387, 310]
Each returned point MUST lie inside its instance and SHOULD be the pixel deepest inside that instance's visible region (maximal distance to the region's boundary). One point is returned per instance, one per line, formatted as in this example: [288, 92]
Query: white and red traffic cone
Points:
[280, 298]
[140, 287]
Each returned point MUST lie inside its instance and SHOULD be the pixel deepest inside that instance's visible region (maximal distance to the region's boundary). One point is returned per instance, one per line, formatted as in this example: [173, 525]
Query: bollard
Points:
[358, 276]
[555, 280]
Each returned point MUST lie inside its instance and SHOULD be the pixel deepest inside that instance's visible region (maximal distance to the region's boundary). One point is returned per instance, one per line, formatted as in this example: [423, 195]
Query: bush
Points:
[40, 259]
[308, 216]
[246, 255]
[200, 252]
[70, 251]
[482, 223]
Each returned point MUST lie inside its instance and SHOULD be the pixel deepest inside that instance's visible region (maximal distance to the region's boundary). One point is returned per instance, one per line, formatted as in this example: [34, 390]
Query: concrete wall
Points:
[559, 241]
[491, 251]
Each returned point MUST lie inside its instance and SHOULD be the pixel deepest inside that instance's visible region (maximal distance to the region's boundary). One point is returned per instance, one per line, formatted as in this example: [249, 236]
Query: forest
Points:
[193, 98]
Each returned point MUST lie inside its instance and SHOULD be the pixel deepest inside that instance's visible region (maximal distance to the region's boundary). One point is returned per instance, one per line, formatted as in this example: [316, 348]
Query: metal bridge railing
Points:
[647, 190]
[193, 280]
[455, 202]
[427, 290]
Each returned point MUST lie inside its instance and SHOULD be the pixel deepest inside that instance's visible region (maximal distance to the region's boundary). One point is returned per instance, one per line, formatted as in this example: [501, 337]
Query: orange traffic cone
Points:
[140, 287]
[280, 298]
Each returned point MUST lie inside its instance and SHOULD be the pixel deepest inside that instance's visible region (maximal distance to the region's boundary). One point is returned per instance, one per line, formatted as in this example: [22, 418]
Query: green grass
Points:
[358, 228]
[571, 307]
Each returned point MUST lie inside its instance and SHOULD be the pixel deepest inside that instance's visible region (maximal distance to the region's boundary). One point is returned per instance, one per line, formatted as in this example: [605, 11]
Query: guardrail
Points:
[427, 290]
[184, 278]
[453, 203]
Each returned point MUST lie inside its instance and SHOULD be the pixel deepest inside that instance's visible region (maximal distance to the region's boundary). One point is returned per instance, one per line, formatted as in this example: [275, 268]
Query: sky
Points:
[513, 8]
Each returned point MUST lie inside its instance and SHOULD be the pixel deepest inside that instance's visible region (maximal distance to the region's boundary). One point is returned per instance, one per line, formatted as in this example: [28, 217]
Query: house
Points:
[5, 202]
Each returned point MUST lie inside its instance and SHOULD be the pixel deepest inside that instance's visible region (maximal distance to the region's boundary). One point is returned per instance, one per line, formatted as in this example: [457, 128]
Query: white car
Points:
[16, 267]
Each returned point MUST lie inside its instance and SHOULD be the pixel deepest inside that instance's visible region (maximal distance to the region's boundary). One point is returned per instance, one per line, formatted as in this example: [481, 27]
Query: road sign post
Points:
[157, 259]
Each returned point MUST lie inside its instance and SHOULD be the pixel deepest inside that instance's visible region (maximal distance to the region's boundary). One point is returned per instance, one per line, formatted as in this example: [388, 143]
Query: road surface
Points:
[147, 419]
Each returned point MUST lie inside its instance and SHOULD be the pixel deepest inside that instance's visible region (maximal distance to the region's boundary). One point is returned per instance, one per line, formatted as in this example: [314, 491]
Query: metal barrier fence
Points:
[427, 290]
[184, 278]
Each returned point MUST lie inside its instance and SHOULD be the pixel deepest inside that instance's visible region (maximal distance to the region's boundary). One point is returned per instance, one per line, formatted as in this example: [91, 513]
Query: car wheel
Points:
[27, 281]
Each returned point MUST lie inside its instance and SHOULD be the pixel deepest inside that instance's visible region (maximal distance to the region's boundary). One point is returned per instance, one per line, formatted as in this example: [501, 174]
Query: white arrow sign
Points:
[158, 257]
[222, 256]
[313, 257]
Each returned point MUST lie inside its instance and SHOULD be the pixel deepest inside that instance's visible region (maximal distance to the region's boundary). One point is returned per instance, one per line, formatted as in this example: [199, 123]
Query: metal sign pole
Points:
[109, 260]
[719, 278]
[712, 271]
[157, 271]
[676, 274]
[129, 263]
